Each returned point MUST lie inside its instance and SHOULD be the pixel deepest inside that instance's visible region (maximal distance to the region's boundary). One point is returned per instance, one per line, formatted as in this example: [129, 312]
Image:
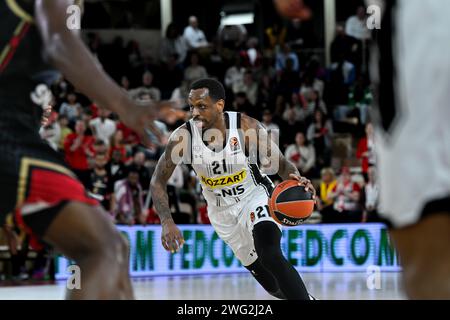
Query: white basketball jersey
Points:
[227, 177]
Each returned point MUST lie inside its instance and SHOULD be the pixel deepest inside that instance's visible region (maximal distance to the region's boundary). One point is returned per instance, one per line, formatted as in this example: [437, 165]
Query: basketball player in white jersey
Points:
[215, 143]
[411, 73]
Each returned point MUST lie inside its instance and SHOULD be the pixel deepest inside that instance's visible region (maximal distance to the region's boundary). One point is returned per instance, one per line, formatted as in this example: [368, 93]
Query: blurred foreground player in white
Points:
[222, 152]
[411, 73]
[37, 187]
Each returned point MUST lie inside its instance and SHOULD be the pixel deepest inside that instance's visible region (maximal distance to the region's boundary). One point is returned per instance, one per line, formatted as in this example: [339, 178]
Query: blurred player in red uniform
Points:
[45, 196]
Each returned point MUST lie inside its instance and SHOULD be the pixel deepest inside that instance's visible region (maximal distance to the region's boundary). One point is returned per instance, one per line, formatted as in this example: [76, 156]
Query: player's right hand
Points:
[171, 237]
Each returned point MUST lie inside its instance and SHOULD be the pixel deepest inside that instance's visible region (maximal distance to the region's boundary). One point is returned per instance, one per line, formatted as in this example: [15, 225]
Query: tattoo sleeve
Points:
[271, 158]
[163, 171]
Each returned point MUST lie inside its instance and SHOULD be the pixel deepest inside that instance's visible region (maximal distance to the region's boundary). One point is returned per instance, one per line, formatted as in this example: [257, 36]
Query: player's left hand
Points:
[302, 181]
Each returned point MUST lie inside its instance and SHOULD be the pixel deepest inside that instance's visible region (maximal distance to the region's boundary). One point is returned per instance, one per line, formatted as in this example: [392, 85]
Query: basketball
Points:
[290, 204]
[293, 9]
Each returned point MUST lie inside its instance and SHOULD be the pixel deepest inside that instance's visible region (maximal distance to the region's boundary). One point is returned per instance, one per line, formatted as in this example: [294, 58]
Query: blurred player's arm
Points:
[171, 236]
[64, 49]
[272, 154]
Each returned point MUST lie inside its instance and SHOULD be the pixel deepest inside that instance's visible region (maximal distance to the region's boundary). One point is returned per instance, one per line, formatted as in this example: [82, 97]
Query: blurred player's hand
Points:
[171, 237]
[47, 111]
[305, 183]
[140, 117]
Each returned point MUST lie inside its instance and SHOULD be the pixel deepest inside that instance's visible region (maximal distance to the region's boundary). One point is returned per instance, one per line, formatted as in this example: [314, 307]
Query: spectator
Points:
[173, 45]
[341, 75]
[347, 70]
[51, 131]
[130, 138]
[266, 92]
[275, 35]
[346, 197]
[241, 104]
[341, 45]
[102, 127]
[78, 149]
[86, 117]
[315, 102]
[283, 56]
[300, 34]
[101, 147]
[195, 71]
[302, 155]
[273, 130]
[94, 111]
[194, 37]
[266, 69]
[356, 25]
[65, 130]
[327, 185]
[146, 88]
[144, 174]
[71, 109]
[356, 28]
[180, 94]
[129, 201]
[116, 167]
[125, 83]
[360, 98]
[215, 61]
[117, 143]
[290, 126]
[295, 106]
[99, 185]
[310, 84]
[148, 64]
[299, 110]
[365, 151]
[289, 80]
[371, 197]
[319, 134]
[251, 57]
[249, 87]
[59, 89]
[234, 76]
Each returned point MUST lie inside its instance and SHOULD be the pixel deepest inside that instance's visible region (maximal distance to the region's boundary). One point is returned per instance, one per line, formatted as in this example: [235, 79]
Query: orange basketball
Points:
[293, 9]
[290, 204]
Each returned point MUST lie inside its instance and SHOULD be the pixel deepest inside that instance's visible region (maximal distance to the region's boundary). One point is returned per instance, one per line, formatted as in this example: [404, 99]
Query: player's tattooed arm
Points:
[269, 154]
[166, 165]
[171, 237]
[262, 148]
[162, 174]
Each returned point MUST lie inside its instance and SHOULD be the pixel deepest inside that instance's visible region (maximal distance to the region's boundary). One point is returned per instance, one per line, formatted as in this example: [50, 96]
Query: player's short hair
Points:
[215, 88]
